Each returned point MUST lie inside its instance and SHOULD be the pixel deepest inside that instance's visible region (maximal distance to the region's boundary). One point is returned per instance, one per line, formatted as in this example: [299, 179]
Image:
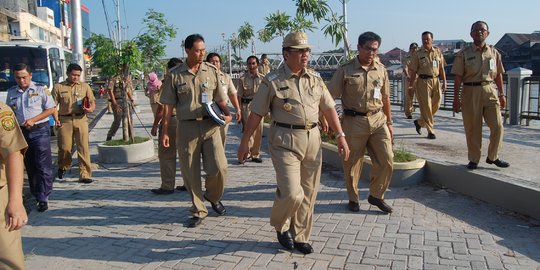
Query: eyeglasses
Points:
[482, 30]
[308, 50]
[371, 50]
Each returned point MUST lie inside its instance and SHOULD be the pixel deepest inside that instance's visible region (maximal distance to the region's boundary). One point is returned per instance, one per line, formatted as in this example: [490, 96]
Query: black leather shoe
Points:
[303, 247]
[181, 188]
[194, 222]
[218, 207]
[60, 174]
[86, 181]
[418, 127]
[353, 206]
[472, 165]
[409, 117]
[286, 240]
[380, 203]
[160, 191]
[431, 136]
[257, 160]
[498, 163]
[42, 206]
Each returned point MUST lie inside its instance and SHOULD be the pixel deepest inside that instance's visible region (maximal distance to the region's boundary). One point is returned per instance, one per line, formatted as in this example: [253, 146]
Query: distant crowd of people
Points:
[300, 104]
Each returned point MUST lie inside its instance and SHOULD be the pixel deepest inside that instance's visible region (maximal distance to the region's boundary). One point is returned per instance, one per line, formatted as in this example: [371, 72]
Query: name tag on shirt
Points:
[491, 64]
[204, 97]
[435, 63]
[377, 93]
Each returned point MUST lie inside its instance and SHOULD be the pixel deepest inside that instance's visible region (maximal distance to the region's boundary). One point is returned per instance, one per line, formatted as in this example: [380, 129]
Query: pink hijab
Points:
[153, 83]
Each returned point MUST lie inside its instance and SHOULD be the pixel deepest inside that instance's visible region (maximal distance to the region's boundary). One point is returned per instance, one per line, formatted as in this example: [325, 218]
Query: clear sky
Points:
[398, 22]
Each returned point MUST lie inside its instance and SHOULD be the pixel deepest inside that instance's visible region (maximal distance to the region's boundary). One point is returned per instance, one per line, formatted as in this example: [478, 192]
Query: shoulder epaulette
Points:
[272, 76]
[314, 73]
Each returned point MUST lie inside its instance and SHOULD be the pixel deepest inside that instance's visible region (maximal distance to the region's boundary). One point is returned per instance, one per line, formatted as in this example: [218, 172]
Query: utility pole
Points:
[230, 56]
[345, 37]
[76, 24]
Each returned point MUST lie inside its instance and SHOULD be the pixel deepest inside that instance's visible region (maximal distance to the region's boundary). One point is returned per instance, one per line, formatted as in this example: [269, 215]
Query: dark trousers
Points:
[38, 162]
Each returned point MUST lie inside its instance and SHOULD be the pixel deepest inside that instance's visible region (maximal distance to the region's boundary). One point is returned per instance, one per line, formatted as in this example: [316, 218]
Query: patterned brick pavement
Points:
[116, 223]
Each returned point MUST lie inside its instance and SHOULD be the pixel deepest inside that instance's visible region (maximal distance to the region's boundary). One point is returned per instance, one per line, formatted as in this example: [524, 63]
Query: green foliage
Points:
[277, 24]
[135, 140]
[104, 54]
[300, 24]
[403, 155]
[245, 34]
[152, 43]
[316, 8]
[336, 29]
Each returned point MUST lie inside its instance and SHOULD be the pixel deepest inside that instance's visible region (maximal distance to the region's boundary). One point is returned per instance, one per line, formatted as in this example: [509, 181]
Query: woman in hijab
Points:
[152, 91]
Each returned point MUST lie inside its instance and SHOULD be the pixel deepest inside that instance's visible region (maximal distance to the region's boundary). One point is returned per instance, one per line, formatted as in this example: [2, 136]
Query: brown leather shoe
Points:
[380, 203]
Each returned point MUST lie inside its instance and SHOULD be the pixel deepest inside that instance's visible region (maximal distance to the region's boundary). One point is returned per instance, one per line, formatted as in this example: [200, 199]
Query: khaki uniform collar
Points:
[289, 73]
[482, 49]
[357, 65]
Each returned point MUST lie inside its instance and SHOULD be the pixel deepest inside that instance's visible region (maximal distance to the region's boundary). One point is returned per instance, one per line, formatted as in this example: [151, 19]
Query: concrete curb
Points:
[126, 153]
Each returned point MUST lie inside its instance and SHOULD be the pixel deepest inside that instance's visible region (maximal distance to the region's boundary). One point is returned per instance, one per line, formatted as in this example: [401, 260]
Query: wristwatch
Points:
[339, 135]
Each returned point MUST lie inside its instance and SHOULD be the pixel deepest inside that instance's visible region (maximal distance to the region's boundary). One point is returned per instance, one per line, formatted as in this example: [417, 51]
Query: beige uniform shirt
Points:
[264, 67]
[427, 62]
[70, 98]
[306, 94]
[360, 90]
[478, 65]
[249, 85]
[116, 87]
[11, 139]
[227, 84]
[189, 91]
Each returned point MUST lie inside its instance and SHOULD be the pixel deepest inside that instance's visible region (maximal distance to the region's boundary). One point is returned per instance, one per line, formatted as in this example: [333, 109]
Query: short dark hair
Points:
[413, 45]
[73, 66]
[427, 33]
[191, 39]
[212, 55]
[478, 22]
[264, 56]
[173, 62]
[23, 66]
[253, 57]
[368, 36]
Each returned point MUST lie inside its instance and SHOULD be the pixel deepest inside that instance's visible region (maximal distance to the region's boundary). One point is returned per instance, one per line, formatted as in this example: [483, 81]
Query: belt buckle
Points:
[485, 83]
[199, 118]
[308, 126]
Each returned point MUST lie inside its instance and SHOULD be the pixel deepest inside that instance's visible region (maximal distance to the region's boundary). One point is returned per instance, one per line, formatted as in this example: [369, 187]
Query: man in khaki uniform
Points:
[363, 86]
[478, 66]
[166, 155]
[71, 97]
[428, 66]
[229, 89]
[294, 95]
[264, 67]
[12, 213]
[408, 88]
[189, 86]
[120, 106]
[248, 85]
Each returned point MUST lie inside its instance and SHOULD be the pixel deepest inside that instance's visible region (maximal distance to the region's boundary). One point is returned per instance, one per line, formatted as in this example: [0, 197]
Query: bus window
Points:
[35, 58]
[56, 65]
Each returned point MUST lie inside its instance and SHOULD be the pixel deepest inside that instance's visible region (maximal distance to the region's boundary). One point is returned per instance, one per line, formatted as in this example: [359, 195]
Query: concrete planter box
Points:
[126, 153]
[405, 173]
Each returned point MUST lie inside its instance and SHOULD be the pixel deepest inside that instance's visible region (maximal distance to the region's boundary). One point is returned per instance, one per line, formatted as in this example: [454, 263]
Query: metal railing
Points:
[530, 105]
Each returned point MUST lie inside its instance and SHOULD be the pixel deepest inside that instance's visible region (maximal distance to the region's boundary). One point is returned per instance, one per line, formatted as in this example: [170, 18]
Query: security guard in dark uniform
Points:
[71, 96]
[12, 213]
[294, 95]
[188, 87]
[478, 66]
[364, 88]
[33, 104]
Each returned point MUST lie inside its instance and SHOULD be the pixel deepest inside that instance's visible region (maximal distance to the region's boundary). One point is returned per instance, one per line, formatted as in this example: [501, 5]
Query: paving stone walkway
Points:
[117, 223]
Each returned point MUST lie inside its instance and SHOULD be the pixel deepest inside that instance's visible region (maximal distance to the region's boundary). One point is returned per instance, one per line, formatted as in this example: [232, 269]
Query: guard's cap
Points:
[296, 40]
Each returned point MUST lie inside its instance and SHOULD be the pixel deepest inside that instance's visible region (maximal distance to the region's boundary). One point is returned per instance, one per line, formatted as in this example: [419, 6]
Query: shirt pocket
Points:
[352, 83]
[183, 92]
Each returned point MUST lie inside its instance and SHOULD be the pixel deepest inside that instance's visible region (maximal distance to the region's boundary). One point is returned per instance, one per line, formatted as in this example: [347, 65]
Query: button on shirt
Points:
[427, 62]
[248, 84]
[69, 97]
[360, 90]
[306, 94]
[478, 64]
[30, 103]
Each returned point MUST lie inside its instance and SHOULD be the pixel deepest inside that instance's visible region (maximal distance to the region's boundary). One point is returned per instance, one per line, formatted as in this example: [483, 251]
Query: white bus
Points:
[48, 63]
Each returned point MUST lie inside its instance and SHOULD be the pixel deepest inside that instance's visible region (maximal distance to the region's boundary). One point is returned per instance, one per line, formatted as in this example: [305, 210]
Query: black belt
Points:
[246, 100]
[355, 113]
[73, 114]
[198, 118]
[477, 83]
[305, 127]
[36, 126]
[425, 77]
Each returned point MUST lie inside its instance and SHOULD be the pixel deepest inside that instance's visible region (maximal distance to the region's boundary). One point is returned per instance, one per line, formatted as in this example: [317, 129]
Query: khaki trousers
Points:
[255, 141]
[297, 158]
[369, 133]
[74, 127]
[409, 98]
[223, 132]
[481, 102]
[167, 157]
[11, 252]
[195, 139]
[428, 93]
